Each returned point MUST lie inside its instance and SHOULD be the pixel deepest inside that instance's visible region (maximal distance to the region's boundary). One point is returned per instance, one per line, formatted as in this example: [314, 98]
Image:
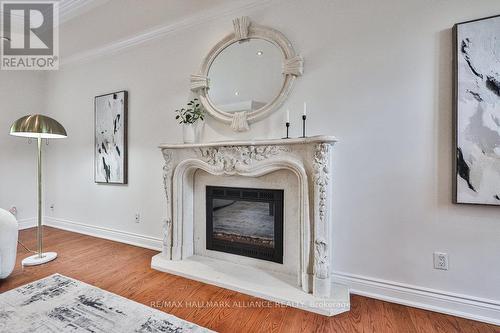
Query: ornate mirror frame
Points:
[293, 66]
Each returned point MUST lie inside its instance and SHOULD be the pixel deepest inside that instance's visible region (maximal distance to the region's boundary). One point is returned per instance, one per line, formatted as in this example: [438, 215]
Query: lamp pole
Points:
[39, 181]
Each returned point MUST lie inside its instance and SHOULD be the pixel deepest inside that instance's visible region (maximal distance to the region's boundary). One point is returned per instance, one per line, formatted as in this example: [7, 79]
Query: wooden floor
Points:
[125, 270]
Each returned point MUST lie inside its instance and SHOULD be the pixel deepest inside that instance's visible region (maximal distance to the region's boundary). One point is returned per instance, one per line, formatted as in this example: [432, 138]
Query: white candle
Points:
[287, 116]
[305, 109]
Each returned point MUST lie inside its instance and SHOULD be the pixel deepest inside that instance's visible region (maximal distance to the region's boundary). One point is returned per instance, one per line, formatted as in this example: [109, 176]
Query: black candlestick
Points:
[287, 124]
[304, 117]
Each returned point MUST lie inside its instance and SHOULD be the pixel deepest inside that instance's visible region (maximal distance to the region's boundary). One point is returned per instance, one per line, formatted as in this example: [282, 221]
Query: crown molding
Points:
[69, 9]
[163, 30]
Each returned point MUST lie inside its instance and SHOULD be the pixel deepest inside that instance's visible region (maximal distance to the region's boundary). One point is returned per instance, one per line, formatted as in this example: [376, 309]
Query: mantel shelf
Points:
[264, 142]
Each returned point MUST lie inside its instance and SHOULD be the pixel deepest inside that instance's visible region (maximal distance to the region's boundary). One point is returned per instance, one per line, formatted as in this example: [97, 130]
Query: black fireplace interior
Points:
[245, 221]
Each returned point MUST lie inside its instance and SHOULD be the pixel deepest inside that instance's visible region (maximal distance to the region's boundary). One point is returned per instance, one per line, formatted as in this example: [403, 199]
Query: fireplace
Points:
[301, 167]
[245, 221]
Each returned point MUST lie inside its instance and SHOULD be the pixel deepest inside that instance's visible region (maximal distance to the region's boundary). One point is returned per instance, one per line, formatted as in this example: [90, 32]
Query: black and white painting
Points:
[477, 111]
[111, 138]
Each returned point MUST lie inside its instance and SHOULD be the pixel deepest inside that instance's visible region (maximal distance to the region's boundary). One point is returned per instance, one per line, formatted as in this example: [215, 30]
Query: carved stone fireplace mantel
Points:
[309, 159]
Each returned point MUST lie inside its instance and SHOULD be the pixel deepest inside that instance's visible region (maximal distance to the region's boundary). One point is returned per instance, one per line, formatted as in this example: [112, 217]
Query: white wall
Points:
[21, 93]
[378, 76]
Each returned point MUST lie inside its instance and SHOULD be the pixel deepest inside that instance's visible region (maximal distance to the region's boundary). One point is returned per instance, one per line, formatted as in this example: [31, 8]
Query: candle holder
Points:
[304, 117]
[287, 124]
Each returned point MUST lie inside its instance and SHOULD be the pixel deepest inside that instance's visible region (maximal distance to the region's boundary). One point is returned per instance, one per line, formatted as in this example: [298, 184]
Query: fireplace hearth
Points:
[245, 221]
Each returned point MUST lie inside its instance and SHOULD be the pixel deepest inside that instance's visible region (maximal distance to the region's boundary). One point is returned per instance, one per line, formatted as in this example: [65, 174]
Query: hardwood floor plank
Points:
[125, 270]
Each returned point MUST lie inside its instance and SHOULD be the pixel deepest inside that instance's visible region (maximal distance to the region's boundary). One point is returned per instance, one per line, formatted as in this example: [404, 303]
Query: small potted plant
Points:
[189, 117]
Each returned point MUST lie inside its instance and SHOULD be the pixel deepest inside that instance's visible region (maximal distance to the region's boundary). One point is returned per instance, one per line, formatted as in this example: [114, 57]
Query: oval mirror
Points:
[247, 75]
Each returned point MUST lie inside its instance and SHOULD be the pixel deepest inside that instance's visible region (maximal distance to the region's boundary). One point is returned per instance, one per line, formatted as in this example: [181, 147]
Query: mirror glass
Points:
[246, 76]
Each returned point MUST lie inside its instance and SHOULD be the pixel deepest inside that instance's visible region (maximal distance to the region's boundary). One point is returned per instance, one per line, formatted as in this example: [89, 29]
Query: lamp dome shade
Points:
[38, 126]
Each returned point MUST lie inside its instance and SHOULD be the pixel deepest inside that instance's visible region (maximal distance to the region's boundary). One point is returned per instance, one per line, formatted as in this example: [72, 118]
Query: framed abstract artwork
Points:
[477, 111]
[110, 148]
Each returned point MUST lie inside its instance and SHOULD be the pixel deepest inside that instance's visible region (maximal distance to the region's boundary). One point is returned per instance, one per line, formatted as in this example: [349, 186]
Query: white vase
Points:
[189, 133]
[192, 133]
[198, 131]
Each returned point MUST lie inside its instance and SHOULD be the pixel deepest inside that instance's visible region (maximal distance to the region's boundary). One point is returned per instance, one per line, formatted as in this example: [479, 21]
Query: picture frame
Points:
[476, 112]
[111, 138]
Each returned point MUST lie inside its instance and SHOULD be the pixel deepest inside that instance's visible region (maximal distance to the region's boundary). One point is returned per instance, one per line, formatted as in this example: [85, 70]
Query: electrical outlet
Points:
[137, 217]
[52, 207]
[441, 261]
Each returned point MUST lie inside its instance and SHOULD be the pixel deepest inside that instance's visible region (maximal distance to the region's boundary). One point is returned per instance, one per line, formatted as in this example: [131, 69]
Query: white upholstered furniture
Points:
[8, 243]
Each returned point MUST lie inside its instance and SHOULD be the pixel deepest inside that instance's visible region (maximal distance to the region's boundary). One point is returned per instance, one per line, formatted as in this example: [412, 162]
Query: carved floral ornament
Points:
[321, 265]
[321, 165]
[167, 170]
[229, 158]
[292, 67]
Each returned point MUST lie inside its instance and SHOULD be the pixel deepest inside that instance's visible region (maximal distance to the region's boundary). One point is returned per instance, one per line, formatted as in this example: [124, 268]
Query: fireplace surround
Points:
[309, 160]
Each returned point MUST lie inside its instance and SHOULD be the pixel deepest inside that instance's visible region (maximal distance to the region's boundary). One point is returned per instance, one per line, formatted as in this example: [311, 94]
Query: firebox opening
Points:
[245, 221]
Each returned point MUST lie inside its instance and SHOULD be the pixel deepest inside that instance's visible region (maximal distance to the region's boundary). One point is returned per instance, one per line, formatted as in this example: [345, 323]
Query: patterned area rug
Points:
[60, 304]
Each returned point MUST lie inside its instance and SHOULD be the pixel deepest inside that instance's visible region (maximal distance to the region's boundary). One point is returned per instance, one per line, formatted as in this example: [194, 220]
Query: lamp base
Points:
[39, 260]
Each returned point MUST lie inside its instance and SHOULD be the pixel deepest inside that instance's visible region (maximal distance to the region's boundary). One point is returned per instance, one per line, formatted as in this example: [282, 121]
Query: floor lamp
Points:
[38, 127]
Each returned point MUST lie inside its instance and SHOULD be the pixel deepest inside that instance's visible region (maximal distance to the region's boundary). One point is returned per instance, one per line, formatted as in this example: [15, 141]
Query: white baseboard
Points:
[480, 309]
[27, 223]
[106, 233]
